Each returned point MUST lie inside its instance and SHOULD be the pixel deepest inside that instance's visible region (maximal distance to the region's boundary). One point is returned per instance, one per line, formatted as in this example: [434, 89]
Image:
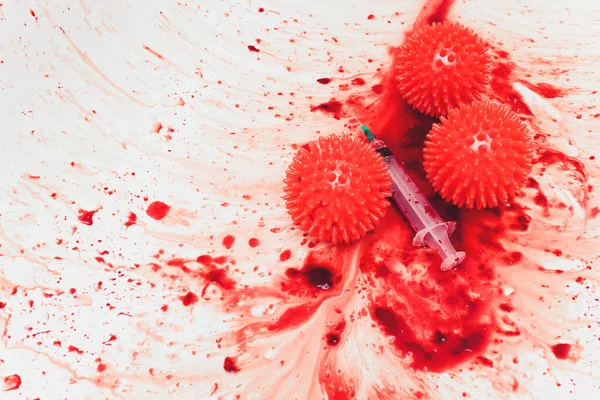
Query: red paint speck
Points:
[32, 13]
[86, 217]
[101, 367]
[371, 16]
[228, 241]
[324, 81]
[261, 10]
[188, 299]
[254, 49]
[253, 242]
[285, 255]
[158, 210]
[358, 81]
[131, 220]
[594, 212]
[12, 382]
[561, 350]
[230, 365]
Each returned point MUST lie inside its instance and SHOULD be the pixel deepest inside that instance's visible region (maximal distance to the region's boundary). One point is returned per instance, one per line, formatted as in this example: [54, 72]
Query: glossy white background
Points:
[81, 98]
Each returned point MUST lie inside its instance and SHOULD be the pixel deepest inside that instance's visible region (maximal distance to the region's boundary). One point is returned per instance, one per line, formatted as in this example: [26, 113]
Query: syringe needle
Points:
[430, 228]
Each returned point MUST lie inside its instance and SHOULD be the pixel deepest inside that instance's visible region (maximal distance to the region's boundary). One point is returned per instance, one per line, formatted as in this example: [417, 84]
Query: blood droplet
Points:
[229, 365]
[86, 217]
[228, 241]
[561, 350]
[158, 210]
[12, 382]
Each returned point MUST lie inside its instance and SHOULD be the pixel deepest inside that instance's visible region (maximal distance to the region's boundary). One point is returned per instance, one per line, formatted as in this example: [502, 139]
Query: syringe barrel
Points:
[409, 198]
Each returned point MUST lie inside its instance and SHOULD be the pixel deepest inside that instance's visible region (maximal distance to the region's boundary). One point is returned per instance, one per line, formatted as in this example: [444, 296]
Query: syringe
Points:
[430, 229]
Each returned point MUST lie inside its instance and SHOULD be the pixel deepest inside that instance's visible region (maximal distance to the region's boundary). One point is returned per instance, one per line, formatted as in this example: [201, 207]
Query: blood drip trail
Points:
[182, 276]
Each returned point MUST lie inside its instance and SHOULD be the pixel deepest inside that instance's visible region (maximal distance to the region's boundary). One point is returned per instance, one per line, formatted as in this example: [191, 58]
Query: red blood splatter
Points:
[157, 210]
[218, 276]
[131, 220]
[377, 89]
[371, 16]
[101, 367]
[594, 212]
[157, 127]
[324, 81]
[333, 339]
[230, 365]
[86, 217]
[445, 349]
[285, 255]
[485, 361]
[407, 310]
[228, 241]
[441, 12]
[204, 259]
[148, 49]
[561, 350]
[358, 81]
[548, 91]
[188, 299]
[254, 49]
[332, 107]
[549, 157]
[503, 90]
[313, 275]
[2, 305]
[261, 10]
[541, 200]
[12, 382]
[253, 242]
[74, 349]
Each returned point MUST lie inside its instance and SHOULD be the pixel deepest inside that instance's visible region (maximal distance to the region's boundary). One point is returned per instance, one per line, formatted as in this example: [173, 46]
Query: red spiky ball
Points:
[442, 66]
[479, 156]
[336, 188]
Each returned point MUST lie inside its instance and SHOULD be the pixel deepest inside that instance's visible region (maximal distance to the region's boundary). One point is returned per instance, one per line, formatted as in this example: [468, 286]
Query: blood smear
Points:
[227, 299]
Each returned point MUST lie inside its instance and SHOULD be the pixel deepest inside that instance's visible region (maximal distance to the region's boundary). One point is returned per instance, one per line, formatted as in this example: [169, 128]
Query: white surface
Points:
[77, 85]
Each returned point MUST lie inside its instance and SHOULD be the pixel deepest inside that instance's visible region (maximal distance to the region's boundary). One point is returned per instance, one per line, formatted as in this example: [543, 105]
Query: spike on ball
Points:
[336, 188]
[442, 66]
[479, 156]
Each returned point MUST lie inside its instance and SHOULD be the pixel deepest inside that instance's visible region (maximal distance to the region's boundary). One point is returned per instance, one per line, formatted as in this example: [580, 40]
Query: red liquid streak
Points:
[549, 157]
[502, 87]
[441, 13]
[254, 49]
[158, 210]
[153, 52]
